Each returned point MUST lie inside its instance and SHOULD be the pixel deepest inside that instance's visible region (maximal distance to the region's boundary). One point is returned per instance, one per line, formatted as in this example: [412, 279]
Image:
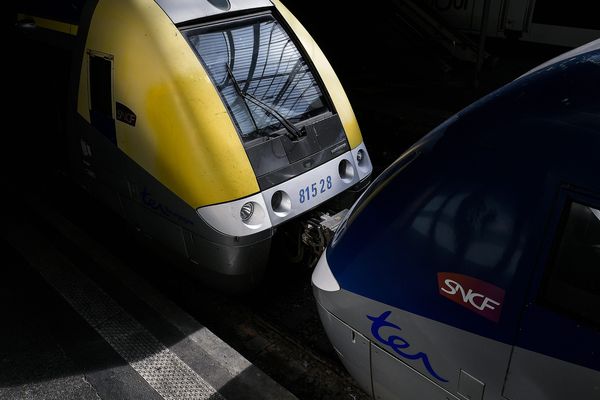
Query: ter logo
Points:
[476, 295]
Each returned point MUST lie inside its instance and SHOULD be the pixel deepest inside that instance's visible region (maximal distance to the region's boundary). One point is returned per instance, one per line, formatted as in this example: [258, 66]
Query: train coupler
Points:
[318, 231]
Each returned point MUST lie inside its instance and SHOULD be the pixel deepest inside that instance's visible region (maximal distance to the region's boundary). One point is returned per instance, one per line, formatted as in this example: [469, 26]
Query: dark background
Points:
[400, 85]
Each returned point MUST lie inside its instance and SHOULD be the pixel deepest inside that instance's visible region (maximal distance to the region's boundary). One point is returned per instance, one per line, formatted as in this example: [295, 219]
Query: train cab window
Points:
[259, 72]
[573, 284]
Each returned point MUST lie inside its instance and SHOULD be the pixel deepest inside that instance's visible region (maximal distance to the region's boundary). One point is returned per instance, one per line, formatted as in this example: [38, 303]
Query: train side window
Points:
[573, 283]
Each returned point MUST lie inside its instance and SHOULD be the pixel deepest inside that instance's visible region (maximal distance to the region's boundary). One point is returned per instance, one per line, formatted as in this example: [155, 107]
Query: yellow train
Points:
[206, 123]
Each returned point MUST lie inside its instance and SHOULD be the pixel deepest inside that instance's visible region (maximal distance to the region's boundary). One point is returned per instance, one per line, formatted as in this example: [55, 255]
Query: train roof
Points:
[179, 11]
[550, 117]
[586, 48]
[188, 10]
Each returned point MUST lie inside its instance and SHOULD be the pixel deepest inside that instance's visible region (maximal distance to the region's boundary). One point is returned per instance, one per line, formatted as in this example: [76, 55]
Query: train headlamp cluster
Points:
[273, 206]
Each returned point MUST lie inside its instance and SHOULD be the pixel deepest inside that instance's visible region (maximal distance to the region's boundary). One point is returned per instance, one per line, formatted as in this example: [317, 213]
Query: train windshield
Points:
[256, 58]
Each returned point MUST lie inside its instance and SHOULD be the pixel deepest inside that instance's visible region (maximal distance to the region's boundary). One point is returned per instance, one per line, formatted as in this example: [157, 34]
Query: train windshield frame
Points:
[258, 56]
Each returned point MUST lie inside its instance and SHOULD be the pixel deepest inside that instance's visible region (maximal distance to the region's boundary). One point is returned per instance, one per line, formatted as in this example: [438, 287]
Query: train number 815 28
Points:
[309, 192]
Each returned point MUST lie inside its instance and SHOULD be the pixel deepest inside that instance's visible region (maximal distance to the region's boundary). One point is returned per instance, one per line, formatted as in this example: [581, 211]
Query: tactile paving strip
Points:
[164, 371]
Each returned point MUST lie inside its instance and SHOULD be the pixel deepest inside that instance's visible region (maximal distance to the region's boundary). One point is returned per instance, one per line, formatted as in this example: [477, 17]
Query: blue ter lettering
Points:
[398, 343]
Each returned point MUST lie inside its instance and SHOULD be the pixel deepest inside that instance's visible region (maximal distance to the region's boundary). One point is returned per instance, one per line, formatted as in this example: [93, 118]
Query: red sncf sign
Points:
[476, 295]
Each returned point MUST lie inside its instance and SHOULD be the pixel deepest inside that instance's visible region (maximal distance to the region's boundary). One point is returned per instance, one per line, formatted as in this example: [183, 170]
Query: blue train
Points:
[470, 268]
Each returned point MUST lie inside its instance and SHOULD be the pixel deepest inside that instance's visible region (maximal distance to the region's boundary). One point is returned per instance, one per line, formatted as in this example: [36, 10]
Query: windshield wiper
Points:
[292, 132]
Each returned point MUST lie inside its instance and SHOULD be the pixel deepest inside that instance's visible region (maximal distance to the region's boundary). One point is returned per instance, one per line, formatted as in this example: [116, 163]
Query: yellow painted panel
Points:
[334, 87]
[51, 24]
[183, 135]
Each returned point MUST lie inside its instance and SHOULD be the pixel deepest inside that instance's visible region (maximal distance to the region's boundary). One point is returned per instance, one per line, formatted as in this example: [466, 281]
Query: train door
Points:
[557, 353]
[101, 94]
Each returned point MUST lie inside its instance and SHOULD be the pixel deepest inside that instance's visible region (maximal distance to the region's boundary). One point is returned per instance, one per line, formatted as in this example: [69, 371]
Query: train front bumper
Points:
[289, 199]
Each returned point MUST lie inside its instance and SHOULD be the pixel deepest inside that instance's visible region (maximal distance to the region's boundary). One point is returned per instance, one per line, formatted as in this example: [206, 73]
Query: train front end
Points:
[297, 128]
[467, 260]
[215, 122]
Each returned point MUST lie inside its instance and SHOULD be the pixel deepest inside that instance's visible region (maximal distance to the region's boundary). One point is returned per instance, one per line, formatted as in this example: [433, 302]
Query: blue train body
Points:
[470, 268]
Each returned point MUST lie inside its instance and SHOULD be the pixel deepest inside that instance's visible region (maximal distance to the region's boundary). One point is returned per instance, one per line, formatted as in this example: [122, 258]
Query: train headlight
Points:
[346, 171]
[362, 161]
[238, 217]
[281, 203]
[360, 156]
[246, 211]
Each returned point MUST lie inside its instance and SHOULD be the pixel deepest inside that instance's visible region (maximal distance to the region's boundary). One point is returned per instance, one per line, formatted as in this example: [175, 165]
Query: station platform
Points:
[78, 324]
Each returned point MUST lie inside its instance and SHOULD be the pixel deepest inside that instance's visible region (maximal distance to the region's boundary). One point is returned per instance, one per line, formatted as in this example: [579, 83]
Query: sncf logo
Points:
[478, 296]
